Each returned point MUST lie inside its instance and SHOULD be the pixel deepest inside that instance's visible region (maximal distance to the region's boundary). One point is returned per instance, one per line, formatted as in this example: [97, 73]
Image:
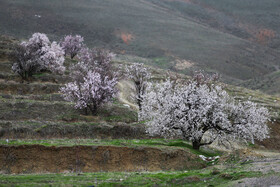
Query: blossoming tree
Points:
[196, 109]
[139, 74]
[72, 45]
[37, 54]
[90, 93]
[94, 82]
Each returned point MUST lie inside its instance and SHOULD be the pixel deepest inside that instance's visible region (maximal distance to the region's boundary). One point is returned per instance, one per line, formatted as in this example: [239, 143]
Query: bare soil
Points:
[41, 159]
[272, 143]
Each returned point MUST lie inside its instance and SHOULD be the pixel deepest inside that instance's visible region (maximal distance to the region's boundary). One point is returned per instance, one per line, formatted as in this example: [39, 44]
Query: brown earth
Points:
[41, 159]
[272, 143]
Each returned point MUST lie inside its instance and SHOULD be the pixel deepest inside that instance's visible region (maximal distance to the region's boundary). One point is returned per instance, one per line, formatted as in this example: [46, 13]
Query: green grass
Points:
[251, 145]
[38, 75]
[121, 118]
[62, 110]
[126, 115]
[183, 178]
[41, 124]
[160, 143]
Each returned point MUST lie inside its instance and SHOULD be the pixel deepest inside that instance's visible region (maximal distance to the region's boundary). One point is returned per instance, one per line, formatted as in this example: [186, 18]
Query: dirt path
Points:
[269, 166]
[125, 88]
[264, 165]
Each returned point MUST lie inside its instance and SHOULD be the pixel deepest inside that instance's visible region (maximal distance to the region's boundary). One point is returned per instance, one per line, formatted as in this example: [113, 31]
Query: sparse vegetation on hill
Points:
[268, 84]
[36, 124]
[236, 39]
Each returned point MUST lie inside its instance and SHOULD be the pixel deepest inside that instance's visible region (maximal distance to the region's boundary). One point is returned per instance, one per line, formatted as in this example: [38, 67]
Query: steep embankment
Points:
[41, 159]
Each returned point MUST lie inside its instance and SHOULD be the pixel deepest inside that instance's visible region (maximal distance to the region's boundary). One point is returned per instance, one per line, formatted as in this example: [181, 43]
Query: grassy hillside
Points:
[45, 141]
[254, 20]
[36, 109]
[166, 32]
[268, 83]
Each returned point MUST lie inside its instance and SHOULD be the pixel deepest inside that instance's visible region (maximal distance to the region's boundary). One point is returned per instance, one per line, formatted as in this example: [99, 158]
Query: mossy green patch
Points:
[176, 178]
[160, 143]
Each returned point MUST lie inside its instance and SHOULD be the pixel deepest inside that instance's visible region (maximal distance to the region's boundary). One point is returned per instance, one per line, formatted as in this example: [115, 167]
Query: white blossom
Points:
[53, 58]
[93, 81]
[194, 109]
[92, 92]
[37, 54]
[72, 45]
[140, 75]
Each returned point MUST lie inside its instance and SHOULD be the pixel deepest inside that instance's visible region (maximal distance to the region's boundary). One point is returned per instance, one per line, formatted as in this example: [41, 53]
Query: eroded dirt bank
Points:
[42, 159]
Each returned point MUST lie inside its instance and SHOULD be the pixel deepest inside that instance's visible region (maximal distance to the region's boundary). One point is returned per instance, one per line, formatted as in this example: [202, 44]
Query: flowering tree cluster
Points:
[139, 74]
[90, 93]
[72, 45]
[94, 82]
[196, 109]
[37, 54]
[53, 58]
[100, 59]
[95, 59]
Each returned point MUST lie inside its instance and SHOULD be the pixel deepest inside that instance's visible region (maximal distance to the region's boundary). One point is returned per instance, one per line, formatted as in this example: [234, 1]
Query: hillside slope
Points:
[36, 109]
[160, 30]
[268, 83]
[254, 20]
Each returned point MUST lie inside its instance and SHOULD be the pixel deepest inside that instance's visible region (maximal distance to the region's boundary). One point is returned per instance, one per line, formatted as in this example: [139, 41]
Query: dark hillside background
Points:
[239, 39]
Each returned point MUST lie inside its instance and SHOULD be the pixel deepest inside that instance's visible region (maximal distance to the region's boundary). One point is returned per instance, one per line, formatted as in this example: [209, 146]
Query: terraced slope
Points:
[268, 83]
[34, 112]
[36, 109]
[40, 132]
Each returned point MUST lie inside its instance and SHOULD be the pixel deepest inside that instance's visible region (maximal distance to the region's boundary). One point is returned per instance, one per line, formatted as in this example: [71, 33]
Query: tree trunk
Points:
[138, 93]
[196, 144]
[139, 102]
[93, 109]
[73, 55]
[86, 111]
